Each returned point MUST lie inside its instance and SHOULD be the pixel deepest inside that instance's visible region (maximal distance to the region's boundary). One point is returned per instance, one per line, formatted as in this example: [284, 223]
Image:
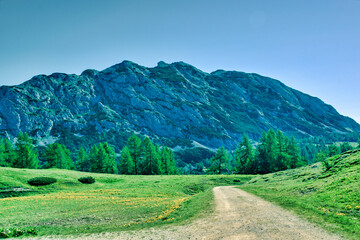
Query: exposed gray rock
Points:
[172, 103]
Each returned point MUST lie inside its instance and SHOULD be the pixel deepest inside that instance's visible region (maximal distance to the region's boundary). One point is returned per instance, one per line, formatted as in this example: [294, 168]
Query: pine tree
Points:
[3, 162]
[102, 159]
[58, 156]
[267, 151]
[82, 163]
[220, 160]
[126, 162]
[244, 157]
[134, 146]
[9, 153]
[168, 165]
[295, 155]
[282, 159]
[345, 146]
[25, 154]
[333, 150]
[150, 162]
[110, 165]
[95, 162]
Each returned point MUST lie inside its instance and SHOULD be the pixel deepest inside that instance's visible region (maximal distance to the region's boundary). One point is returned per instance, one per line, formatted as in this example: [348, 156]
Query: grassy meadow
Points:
[330, 198]
[112, 203]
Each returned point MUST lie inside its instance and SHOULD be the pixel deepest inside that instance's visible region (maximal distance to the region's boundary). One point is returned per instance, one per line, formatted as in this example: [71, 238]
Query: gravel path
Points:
[239, 215]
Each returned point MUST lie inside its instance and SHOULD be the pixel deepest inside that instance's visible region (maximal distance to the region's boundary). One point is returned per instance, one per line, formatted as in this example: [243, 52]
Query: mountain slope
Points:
[329, 197]
[175, 104]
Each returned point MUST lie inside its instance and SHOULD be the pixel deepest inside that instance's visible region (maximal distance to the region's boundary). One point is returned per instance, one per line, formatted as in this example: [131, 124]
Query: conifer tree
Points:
[3, 162]
[110, 165]
[244, 157]
[126, 163]
[134, 146]
[345, 146]
[25, 154]
[7, 153]
[95, 162]
[82, 163]
[282, 159]
[267, 151]
[150, 162]
[102, 159]
[220, 160]
[168, 166]
[58, 156]
[295, 154]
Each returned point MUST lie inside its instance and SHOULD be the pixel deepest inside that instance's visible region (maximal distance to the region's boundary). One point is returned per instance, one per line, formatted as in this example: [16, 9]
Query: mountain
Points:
[175, 104]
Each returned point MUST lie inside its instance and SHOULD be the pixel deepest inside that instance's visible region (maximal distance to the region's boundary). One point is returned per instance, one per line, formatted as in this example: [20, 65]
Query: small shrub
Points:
[41, 181]
[86, 180]
[16, 232]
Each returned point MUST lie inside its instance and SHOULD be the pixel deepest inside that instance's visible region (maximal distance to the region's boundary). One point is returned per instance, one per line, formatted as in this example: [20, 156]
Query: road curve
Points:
[239, 215]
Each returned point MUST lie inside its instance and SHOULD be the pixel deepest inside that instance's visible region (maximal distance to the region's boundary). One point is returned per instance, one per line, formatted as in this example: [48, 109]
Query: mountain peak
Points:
[175, 103]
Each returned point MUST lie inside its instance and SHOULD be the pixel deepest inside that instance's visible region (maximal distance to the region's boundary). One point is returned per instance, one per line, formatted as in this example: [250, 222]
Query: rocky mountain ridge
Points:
[175, 104]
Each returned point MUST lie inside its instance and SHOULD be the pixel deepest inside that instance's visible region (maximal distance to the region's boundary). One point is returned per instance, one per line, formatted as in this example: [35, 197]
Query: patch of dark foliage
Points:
[87, 180]
[17, 232]
[41, 181]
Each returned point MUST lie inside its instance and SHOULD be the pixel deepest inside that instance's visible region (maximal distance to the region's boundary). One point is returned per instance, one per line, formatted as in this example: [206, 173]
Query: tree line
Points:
[137, 157]
[274, 152]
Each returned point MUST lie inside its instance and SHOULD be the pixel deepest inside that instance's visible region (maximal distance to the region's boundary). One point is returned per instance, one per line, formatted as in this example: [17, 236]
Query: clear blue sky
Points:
[310, 45]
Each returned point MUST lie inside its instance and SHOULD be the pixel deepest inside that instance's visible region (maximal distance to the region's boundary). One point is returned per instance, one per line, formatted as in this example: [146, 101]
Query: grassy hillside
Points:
[328, 197]
[112, 203]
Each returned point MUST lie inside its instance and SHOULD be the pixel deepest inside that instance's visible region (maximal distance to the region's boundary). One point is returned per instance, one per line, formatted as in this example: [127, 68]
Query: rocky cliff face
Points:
[175, 104]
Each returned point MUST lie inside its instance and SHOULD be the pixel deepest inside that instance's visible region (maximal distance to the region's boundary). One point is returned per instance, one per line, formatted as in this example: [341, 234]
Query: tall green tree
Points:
[245, 157]
[82, 163]
[150, 162]
[220, 161]
[333, 150]
[267, 151]
[168, 165]
[7, 153]
[25, 154]
[135, 149]
[110, 165]
[126, 165]
[282, 159]
[294, 152]
[102, 159]
[58, 156]
[345, 146]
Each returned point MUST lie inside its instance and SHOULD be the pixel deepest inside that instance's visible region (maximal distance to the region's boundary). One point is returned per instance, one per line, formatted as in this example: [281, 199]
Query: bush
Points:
[41, 181]
[86, 180]
[16, 232]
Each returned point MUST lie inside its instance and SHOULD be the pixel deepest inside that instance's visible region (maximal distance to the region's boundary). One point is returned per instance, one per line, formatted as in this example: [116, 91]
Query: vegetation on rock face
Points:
[174, 104]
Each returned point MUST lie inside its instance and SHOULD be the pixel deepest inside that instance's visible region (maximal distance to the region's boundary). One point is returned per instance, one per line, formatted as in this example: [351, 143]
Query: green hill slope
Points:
[328, 197]
[112, 203]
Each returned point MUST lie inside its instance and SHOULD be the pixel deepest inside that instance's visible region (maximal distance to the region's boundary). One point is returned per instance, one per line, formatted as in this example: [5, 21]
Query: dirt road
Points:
[239, 215]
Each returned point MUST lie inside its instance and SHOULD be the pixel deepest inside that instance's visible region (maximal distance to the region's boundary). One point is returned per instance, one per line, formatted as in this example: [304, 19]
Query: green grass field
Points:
[112, 203]
[330, 198]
